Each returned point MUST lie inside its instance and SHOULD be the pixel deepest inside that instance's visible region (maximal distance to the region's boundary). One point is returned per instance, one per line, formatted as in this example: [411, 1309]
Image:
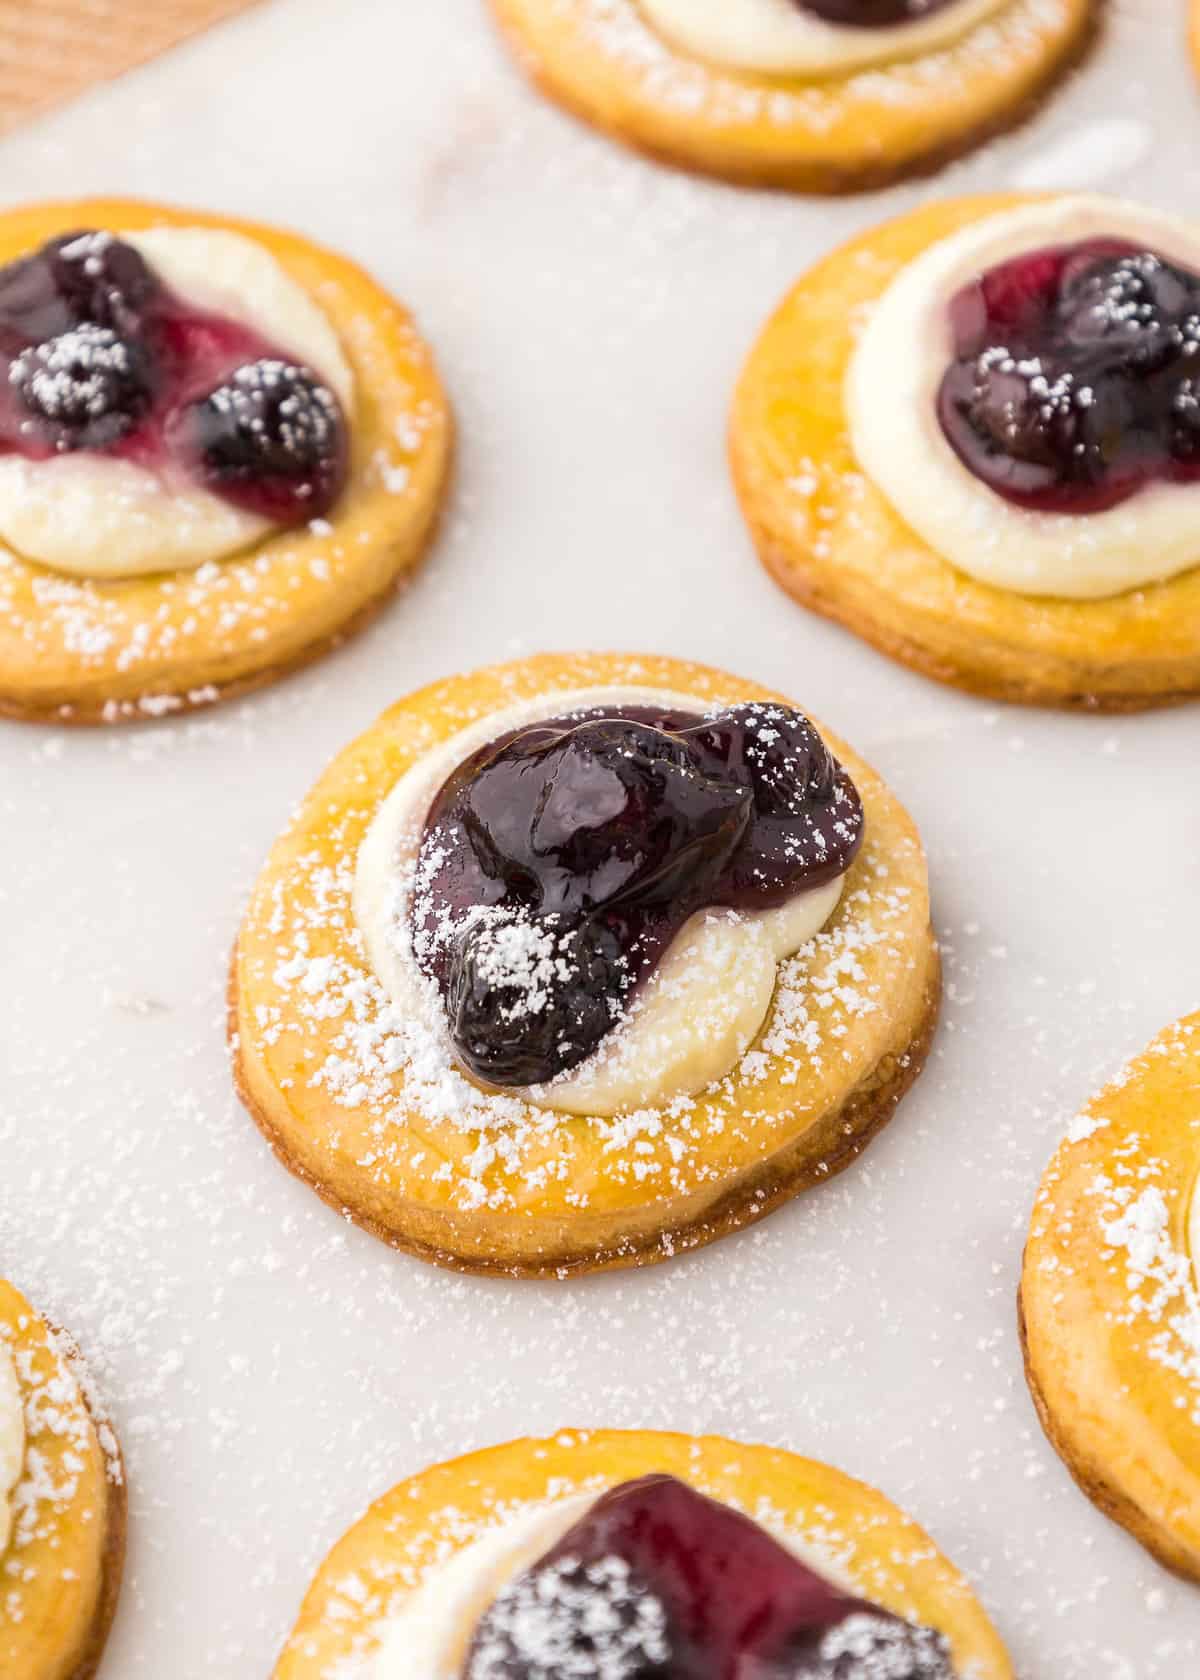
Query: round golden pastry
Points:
[1110, 1306]
[532, 1191]
[425, 1521]
[92, 649]
[836, 132]
[61, 1570]
[833, 540]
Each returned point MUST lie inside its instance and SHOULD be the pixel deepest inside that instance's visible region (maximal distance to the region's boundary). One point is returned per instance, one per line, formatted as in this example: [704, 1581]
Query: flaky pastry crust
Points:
[85, 651]
[424, 1521]
[1109, 1301]
[58, 1598]
[549, 1193]
[602, 60]
[830, 537]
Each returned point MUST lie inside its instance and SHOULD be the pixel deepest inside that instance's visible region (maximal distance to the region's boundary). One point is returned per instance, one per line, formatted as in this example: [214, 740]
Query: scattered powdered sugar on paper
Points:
[262, 1352]
[273, 1369]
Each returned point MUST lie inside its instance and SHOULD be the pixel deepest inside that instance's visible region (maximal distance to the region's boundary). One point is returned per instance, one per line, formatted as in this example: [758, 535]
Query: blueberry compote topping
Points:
[270, 427]
[85, 388]
[559, 862]
[658, 1582]
[872, 14]
[102, 357]
[1076, 377]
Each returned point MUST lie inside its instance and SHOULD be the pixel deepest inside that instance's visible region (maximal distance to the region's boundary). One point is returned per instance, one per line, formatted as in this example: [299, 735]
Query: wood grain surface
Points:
[51, 50]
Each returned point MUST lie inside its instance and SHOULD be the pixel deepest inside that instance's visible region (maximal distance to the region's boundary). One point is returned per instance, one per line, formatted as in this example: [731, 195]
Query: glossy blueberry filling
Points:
[1076, 376]
[659, 1582]
[872, 14]
[100, 356]
[558, 863]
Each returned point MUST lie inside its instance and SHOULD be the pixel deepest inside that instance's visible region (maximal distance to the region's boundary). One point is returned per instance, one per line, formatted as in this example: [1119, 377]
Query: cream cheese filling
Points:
[776, 38]
[695, 1016]
[97, 516]
[12, 1440]
[891, 404]
[429, 1637]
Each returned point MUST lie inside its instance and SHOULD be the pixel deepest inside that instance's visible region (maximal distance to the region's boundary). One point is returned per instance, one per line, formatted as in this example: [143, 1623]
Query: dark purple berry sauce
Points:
[559, 862]
[872, 14]
[101, 356]
[1076, 378]
[658, 1582]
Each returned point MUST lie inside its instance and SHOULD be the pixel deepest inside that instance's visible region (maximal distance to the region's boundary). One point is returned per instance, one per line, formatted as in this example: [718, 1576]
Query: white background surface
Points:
[272, 1369]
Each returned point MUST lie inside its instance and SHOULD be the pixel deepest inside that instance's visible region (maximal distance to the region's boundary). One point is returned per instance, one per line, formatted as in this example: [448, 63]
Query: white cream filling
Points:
[91, 515]
[776, 38]
[429, 1637]
[697, 1013]
[12, 1440]
[891, 402]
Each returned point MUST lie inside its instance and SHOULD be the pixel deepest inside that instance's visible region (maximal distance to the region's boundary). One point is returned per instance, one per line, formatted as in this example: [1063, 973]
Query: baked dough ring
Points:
[424, 1521]
[834, 541]
[58, 1598]
[603, 61]
[568, 1194]
[1117, 1388]
[75, 650]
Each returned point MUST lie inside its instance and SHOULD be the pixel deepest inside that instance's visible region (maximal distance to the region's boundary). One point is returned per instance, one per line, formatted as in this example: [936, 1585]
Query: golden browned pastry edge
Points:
[1091, 1482]
[819, 1155]
[996, 674]
[116, 1519]
[51, 684]
[708, 156]
[1127, 653]
[542, 1229]
[111, 1567]
[97, 714]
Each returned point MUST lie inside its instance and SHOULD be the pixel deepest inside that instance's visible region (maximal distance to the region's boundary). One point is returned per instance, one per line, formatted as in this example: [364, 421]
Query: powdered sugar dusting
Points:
[669, 80]
[124, 649]
[1134, 1208]
[65, 1420]
[124, 637]
[1160, 1278]
[539, 1620]
[318, 1009]
[272, 1368]
[365, 1606]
